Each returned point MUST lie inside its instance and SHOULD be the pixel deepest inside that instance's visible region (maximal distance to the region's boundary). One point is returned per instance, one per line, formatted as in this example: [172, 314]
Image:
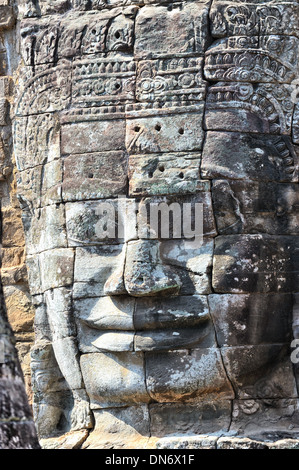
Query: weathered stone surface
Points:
[271, 58]
[121, 382]
[105, 324]
[251, 319]
[173, 312]
[269, 371]
[165, 131]
[38, 239]
[97, 222]
[265, 108]
[255, 263]
[104, 81]
[182, 376]
[21, 435]
[168, 79]
[201, 337]
[259, 158]
[72, 440]
[20, 311]
[183, 218]
[41, 185]
[191, 419]
[17, 430]
[42, 142]
[99, 136]
[106, 313]
[198, 442]
[249, 207]
[57, 268]
[267, 419]
[164, 174]
[116, 426]
[144, 272]
[12, 230]
[175, 29]
[94, 266]
[239, 443]
[47, 91]
[91, 176]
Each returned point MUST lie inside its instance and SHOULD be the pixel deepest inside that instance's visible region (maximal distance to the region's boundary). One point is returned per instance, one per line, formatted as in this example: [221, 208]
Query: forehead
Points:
[114, 99]
[114, 95]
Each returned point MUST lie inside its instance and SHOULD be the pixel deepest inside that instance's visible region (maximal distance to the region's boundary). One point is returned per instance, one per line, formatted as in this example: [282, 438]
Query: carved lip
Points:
[153, 319]
[155, 340]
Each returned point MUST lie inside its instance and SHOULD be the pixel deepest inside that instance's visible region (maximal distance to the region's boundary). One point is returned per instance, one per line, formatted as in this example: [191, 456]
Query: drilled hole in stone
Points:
[181, 131]
[136, 128]
[161, 168]
[117, 35]
[181, 175]
[90, 175]
[158, 127]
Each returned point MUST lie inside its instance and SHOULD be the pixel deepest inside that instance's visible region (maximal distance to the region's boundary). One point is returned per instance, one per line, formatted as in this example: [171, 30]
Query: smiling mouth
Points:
[112, 325]
[155, 340]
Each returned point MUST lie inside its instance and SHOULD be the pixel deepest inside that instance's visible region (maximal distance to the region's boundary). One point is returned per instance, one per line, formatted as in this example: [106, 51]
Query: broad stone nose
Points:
[145, 274]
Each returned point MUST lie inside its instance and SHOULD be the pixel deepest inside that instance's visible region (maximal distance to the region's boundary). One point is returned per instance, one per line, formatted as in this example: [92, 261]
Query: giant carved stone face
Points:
[128, 104]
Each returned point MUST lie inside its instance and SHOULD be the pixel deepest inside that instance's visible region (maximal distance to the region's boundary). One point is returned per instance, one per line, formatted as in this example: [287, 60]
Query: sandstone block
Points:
[121, 381]
[250, 207]
[265, 108]
[261, 158]
[37, 238]
[244, 319]
[260, 371]
[171, 313]
[118, 425]
[93, 176]
[170, 79]
[179, 376]
[176, 29]
[271, 58]
[56, 268]
[256, 19]
[164, 174]
[265, 419]
[12, 229]
[168, 131]
[169, 419]
[94, 266]
[255, 263]
[179, 338]
[93, 136]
